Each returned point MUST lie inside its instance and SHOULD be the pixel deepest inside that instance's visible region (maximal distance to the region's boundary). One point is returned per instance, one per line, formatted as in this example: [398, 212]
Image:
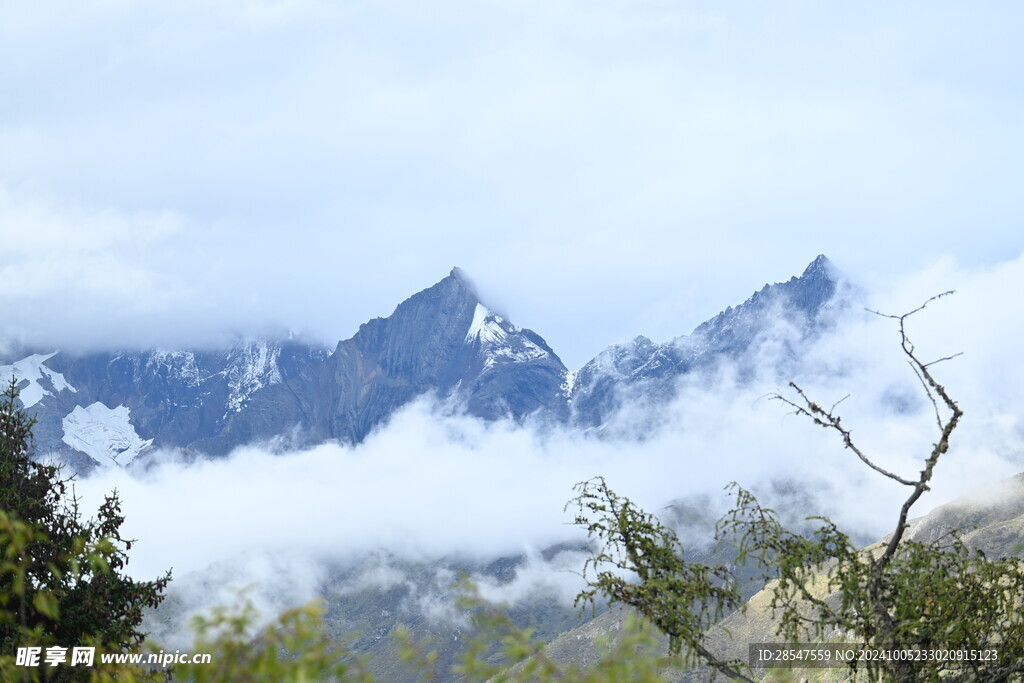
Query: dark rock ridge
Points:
[108, 408]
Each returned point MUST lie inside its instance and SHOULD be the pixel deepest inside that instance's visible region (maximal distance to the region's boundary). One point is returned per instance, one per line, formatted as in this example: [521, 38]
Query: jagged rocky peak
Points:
[460, 275]
[452, 310]
[445, 341]
[821, 267]
[815, 287]
[419, 334]
[460, 284]
[807, 294]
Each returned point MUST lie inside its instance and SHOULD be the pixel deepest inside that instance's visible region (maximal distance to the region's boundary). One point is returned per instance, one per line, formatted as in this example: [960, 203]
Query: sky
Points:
[170, 172]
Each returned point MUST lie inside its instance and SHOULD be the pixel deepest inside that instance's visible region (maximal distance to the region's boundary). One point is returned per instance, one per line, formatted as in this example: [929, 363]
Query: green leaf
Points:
[46, 604]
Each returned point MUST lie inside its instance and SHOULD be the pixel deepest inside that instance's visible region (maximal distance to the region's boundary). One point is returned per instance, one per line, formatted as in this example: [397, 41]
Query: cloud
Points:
[270, 582]
[559, 577]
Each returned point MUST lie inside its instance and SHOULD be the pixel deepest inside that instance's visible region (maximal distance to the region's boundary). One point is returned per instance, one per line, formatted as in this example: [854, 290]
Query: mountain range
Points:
[112, 408]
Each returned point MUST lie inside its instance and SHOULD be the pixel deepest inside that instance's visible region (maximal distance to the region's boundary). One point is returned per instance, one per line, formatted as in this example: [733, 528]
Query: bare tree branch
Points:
[928, 393]
[829, 420]
[904, 316]
[946, 425]
[945, 358]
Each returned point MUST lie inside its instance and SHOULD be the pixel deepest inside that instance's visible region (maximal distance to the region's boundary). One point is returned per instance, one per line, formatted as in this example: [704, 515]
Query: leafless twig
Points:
[829, 420]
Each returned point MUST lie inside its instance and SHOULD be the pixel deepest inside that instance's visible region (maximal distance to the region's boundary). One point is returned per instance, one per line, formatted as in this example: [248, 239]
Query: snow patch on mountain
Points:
[181, 365]
[486, 326]
[521, 351]
[253, 365]
[33, 371]
[104, 434]
[500, 341]
[623, 360]
[570, 381]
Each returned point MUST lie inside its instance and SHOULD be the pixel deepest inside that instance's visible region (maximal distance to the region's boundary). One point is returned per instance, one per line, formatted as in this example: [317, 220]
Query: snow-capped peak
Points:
[500, 340]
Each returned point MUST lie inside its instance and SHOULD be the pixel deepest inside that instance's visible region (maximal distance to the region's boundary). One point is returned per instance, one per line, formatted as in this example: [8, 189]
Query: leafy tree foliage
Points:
[293, 648]
[62, 581]
[902, 594]
[681, 598]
